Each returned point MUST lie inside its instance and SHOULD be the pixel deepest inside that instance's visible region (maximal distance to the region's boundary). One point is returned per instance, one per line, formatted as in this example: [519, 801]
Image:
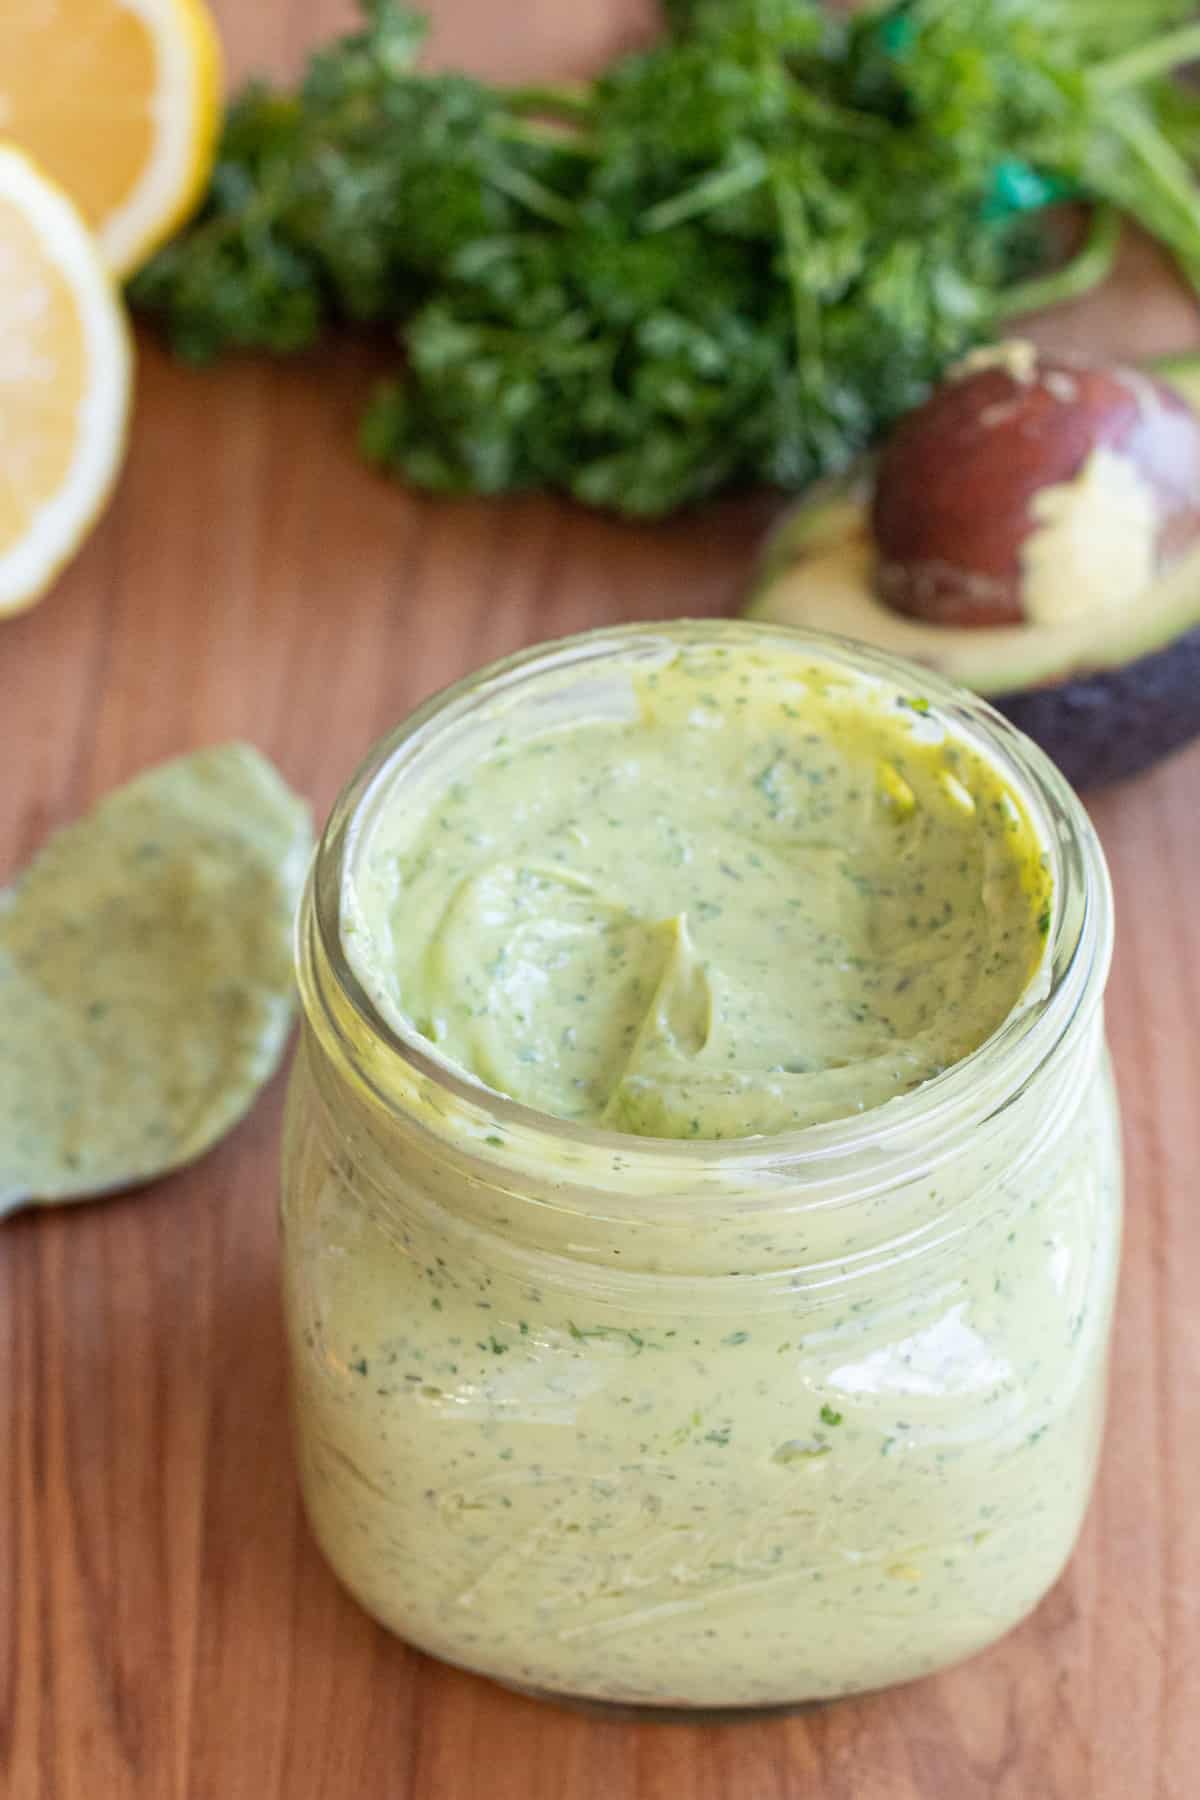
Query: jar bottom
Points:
[631, 1712]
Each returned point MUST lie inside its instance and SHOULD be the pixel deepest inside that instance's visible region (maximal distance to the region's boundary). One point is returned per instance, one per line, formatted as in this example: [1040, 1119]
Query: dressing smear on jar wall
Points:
[701, 1196]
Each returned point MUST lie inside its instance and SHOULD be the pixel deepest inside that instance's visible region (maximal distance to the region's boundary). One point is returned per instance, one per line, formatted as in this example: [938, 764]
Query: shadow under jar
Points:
[700, 1426]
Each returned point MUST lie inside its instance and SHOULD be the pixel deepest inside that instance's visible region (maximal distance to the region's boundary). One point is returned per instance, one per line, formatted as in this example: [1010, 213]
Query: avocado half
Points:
[1105, 697]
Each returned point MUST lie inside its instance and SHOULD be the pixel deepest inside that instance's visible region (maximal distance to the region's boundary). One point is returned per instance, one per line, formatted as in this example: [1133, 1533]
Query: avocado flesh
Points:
[1106, 696]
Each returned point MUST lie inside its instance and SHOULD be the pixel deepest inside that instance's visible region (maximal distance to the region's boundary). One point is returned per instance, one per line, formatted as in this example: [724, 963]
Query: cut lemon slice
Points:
[118, 100]
[64, 381]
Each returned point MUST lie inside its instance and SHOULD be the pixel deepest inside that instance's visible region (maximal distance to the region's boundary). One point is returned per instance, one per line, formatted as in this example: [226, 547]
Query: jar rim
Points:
[1070, 979]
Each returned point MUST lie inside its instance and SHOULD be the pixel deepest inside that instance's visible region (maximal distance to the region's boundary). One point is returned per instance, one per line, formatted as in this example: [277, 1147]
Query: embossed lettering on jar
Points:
[703, 1424]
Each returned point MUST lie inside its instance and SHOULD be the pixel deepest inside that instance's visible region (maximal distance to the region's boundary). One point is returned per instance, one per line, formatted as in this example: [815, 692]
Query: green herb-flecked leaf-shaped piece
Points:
[146, 975]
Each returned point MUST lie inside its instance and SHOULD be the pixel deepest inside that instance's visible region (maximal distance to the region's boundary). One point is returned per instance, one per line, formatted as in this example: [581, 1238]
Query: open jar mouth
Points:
[1069, 981]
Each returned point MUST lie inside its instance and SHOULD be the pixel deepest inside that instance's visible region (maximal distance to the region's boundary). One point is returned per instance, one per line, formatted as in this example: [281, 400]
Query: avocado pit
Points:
[1033, 532]
[1031, 488]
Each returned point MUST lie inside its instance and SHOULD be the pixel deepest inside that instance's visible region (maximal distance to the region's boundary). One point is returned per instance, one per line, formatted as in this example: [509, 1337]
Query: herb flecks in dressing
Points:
[770, 897]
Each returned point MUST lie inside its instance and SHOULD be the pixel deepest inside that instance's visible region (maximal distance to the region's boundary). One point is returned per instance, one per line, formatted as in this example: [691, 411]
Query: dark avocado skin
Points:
[1100, 727]
[1108, 726]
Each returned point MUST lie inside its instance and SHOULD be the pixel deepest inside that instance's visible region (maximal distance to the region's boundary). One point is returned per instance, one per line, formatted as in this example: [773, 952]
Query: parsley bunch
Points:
[733, 258]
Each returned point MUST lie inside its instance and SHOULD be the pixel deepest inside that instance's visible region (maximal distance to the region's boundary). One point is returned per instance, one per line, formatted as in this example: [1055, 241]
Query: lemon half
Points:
[119, 102]
[65, 380]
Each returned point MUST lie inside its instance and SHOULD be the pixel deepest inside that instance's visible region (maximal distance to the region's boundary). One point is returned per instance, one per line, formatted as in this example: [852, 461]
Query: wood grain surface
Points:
[166, 1626]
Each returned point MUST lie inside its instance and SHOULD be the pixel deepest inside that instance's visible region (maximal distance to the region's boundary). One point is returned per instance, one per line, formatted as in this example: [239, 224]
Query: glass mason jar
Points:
[698, 1425]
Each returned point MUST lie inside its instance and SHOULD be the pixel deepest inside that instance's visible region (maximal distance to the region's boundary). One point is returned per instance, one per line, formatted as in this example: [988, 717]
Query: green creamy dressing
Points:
[769, 896]
[145, 975]
[723, 1442]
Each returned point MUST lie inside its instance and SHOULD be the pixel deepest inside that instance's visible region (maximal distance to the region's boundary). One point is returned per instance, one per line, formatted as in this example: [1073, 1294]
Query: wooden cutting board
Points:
[166, 1626]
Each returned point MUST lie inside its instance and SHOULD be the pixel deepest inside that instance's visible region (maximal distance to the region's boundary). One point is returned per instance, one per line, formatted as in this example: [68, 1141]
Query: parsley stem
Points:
[814, 112]
[558, 99]
[1164, 196]
[1159, 157]
[559, 136]
[1085, 271]
[722, 185]
[1155, 58]
[535, 196]
[794, 225]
